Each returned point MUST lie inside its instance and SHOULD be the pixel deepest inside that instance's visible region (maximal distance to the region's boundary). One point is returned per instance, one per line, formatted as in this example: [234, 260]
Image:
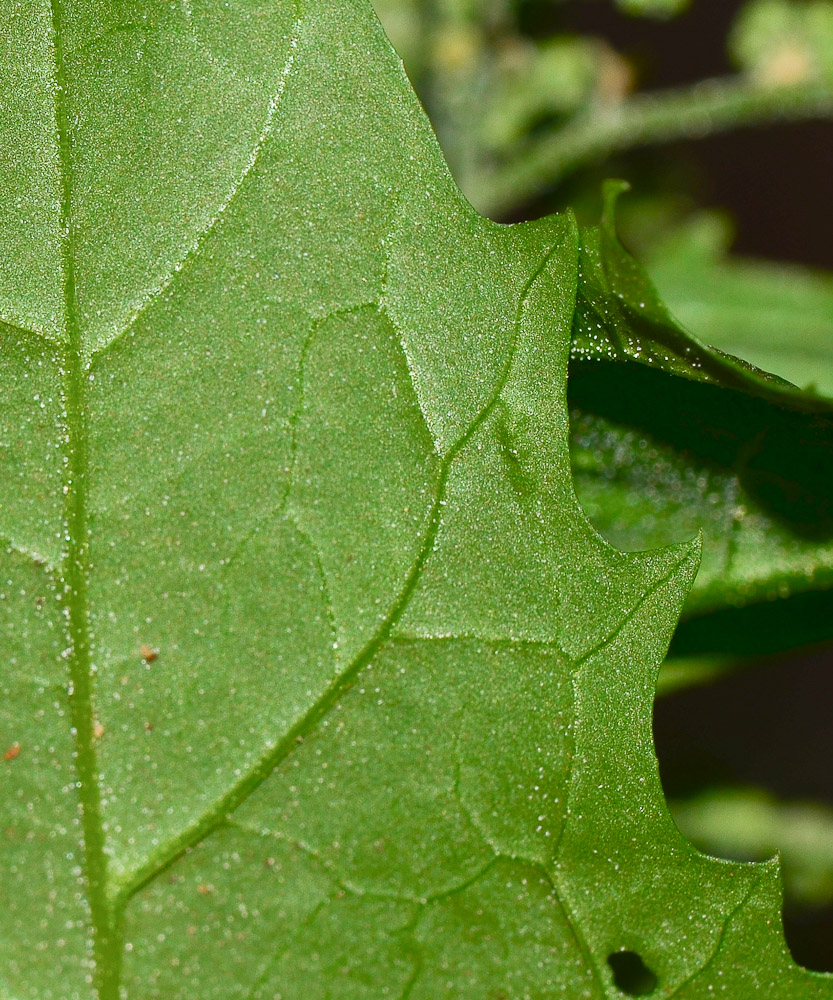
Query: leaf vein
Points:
[193, 252]
[719, 943]
[281, 506]
[43, 340]
[106, 951]
[632, 612]
[577, 720]
[275, 755]
[575, 930]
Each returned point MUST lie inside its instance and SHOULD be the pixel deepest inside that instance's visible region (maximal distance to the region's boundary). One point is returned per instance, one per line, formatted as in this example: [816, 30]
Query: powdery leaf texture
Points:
[321, 684]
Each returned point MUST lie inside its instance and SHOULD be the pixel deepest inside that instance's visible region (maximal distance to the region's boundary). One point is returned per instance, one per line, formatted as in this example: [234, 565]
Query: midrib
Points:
[76, 565]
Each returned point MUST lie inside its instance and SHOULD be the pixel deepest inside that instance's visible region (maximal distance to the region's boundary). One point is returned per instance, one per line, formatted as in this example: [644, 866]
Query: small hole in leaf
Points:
[630, 974]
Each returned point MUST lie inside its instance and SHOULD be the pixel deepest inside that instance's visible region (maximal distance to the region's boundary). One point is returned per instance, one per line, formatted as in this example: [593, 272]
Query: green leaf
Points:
[749, 824]
[670, 437]
[318, 682]
[545, 83]
[779, 316]
[653, 8]
[682, 672]
[657, 458]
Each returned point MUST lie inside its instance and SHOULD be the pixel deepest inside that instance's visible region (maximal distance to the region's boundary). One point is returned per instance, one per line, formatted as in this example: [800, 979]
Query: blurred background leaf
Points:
[653, 8]
[748, 824]
[778, 316]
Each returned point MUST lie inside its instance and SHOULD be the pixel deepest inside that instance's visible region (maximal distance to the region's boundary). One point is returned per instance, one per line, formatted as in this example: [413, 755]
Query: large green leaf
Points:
[318, 683]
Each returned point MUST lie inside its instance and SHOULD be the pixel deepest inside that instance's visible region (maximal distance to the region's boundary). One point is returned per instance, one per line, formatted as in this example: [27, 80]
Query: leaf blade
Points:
[322, 548]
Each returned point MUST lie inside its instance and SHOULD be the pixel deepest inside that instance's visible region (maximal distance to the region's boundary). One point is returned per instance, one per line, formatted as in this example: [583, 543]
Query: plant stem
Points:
[681, 113]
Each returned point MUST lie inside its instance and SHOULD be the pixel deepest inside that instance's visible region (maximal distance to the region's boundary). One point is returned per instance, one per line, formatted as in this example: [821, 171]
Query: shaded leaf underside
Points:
[280, 407]
[669, 436]
[657, 458]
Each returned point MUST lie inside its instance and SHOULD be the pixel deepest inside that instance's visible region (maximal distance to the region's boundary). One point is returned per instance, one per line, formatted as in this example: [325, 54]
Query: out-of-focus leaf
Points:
[540, 83]
[783, 42]
[778, 316]
[653, 8]
[678, 672]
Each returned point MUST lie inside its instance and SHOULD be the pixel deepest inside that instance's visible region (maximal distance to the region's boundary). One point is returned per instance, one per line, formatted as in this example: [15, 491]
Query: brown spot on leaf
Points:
[12, 752]
[148, 653]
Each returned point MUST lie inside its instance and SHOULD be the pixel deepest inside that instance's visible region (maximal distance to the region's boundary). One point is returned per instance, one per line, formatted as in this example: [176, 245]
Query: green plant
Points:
[516, 113]
[318, 681]
[534, 118]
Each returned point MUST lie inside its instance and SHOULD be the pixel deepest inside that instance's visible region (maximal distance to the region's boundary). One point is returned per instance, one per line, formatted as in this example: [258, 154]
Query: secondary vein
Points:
[76, 562]
[148, 299]
[254, 778]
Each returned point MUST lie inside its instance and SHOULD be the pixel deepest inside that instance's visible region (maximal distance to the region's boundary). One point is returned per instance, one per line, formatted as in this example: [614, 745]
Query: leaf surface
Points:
[670, 437]
[320, 682]
[657, 458]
